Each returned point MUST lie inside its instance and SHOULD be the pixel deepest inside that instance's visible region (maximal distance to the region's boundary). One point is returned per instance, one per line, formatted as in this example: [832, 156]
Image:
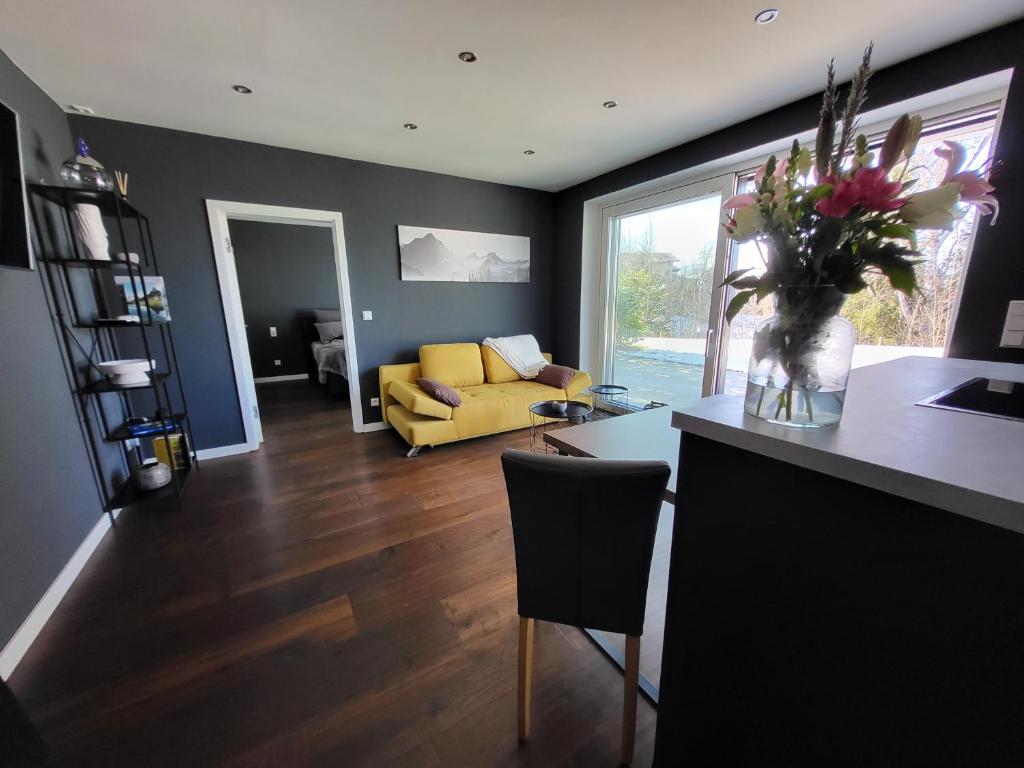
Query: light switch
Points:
[273, 331]
[277, 362]
[375, 401]
[1013, 328]
[367, 314]
[1012, 339]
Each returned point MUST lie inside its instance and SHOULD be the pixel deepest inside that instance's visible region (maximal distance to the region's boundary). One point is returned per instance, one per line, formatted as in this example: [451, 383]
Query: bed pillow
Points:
[330, 331]
[557, 376]
[440, 392]
[326, 315]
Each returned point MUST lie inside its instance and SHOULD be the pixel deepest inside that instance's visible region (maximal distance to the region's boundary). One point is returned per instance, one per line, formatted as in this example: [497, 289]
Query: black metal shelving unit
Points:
[68, 274]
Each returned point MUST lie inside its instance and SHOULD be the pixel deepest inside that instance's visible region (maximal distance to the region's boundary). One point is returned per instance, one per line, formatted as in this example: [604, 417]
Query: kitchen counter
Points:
[848, 596]
[964, 463]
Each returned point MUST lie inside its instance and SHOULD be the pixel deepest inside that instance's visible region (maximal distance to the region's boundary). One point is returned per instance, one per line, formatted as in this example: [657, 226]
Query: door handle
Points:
[707, 342]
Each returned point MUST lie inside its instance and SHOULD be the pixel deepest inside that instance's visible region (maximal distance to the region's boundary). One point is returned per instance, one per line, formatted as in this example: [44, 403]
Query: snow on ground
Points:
[692, 351]
[669, 370]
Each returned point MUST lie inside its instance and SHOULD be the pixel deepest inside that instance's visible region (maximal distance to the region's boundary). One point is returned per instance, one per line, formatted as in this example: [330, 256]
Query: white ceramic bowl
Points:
[126, 371]
[560, 405]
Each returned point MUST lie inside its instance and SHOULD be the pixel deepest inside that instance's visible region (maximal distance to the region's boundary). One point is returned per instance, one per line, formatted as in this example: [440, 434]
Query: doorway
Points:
[221, 214]
[667, 255]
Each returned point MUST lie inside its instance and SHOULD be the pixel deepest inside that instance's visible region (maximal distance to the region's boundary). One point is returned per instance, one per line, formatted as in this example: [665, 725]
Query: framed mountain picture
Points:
[453, 255]
[153, 300]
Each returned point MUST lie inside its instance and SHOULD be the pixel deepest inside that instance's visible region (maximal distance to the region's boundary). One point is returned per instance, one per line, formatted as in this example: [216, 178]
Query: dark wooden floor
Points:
[324, 601]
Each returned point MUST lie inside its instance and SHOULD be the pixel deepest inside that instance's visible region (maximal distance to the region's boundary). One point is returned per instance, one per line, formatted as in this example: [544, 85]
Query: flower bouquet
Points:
[821, 222]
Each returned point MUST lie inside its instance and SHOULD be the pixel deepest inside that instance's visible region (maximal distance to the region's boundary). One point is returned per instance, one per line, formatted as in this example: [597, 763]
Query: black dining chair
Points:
[584, 537]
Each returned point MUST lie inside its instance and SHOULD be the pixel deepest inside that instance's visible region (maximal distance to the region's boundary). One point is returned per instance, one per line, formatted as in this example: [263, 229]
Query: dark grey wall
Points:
[284, 270]
[996, 273]
[49, 499]
[172, 173]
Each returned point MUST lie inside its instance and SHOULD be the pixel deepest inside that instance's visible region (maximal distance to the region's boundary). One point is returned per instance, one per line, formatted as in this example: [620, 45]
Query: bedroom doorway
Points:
[222, 214]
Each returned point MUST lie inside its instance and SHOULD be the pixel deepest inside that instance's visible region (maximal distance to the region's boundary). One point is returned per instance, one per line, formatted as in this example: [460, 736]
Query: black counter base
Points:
[814, 622]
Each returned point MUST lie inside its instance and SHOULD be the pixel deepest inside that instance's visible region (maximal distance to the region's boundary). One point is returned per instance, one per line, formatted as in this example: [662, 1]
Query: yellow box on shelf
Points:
[179, 450]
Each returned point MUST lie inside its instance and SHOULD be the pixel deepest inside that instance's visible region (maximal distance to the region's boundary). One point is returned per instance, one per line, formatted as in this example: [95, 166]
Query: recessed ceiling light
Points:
[767, 16]
[410, 126]
[529, 152]
[241, 89]
[467, 56]
[81, 109]
[610, 105]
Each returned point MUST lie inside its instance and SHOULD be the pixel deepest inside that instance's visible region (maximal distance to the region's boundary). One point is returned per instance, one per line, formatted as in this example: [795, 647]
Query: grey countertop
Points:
[968, 464]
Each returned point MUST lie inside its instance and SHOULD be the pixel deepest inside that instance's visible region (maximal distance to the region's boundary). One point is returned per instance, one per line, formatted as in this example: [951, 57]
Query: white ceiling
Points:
[340, 77]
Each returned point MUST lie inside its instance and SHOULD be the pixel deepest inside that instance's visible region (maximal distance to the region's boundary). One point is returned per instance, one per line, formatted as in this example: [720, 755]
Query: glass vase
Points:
[800, 360]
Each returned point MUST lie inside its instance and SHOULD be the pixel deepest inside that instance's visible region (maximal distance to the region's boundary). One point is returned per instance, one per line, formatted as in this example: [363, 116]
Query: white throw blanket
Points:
[520, 352]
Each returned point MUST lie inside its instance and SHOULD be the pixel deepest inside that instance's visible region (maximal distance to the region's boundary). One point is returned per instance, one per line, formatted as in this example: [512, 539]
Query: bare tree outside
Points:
[885, 317]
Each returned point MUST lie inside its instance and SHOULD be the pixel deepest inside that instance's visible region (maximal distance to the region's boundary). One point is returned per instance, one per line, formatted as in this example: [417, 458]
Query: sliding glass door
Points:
[666, 260]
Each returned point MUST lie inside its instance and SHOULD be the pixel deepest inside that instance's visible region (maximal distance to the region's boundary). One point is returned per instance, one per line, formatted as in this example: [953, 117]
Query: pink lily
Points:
[974, 190]
[739, 201]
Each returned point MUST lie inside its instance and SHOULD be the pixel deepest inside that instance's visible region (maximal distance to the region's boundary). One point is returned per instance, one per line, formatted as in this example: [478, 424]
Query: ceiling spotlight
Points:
[81, 109]
[610, 105]
[467, 56]
[529, 152]
[410, 126]
[241, 89]
[767, 16]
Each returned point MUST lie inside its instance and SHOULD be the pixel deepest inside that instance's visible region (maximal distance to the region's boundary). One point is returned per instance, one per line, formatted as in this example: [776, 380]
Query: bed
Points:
[326, 361]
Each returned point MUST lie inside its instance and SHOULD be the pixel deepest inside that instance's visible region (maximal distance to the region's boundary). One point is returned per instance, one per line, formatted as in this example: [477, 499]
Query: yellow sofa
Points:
[494, 398]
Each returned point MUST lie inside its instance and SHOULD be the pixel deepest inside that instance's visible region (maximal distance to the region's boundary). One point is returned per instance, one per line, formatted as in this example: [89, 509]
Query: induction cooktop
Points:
[986, 397]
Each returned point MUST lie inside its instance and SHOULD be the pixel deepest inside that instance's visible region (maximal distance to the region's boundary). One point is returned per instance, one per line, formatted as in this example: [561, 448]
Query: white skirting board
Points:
[204, 454]
[19, 644]
[286, 377]
[375, 426]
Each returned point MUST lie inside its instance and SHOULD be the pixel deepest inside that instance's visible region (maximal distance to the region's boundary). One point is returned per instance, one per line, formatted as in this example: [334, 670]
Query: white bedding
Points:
[330, 358]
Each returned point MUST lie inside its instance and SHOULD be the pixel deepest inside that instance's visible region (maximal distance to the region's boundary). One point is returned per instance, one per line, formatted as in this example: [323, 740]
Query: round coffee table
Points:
[606, 395]
[545, 414]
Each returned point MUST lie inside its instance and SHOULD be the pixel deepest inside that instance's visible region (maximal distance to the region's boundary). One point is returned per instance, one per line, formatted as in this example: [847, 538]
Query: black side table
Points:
[606, 395]
[545, 414]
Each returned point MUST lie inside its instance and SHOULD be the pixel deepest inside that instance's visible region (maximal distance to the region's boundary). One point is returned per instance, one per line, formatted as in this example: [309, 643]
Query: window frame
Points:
[969, 96]
[722, 185]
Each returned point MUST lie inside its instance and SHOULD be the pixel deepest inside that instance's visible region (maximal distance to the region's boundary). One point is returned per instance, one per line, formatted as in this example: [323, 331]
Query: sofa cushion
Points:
[491, 408]
[496, 370]
[578, 387]
[555, 376]
[417, 401]
[457, 365]
[440, 392]
[421, 430]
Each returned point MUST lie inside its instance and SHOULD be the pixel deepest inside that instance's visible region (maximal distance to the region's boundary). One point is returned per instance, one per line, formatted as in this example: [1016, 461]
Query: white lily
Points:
[934, 208]
[748, 223]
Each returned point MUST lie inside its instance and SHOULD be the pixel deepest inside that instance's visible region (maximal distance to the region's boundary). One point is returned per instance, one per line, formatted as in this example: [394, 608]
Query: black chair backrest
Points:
[584, 536]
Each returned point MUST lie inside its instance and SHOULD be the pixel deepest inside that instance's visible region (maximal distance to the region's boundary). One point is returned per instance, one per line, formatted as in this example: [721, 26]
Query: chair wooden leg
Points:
[630, 685]
[525, 675]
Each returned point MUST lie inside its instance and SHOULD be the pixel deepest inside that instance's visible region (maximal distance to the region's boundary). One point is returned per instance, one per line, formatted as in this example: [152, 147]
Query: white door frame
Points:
[219, 213]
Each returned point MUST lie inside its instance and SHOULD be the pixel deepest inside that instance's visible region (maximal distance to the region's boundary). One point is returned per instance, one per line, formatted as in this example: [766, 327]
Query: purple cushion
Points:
[440, 392]
[557, 376]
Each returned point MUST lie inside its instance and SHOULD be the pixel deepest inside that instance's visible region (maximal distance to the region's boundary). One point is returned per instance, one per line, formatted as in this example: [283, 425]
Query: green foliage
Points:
[737, 303]
[641, 304]
[876, 315]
